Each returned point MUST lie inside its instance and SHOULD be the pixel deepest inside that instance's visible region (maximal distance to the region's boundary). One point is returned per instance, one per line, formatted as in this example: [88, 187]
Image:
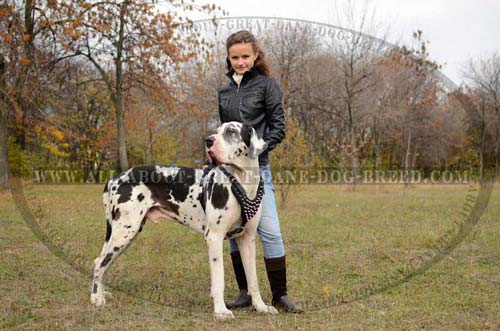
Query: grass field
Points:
[340, 244]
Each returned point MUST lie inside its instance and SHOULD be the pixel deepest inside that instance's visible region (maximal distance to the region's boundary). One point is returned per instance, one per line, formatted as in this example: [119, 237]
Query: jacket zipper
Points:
[239, 98]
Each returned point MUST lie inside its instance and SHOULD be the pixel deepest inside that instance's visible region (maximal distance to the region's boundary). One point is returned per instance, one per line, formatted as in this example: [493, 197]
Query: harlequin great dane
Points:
[208, 203]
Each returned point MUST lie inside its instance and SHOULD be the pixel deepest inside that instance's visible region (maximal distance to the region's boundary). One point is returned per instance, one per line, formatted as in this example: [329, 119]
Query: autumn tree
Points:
[477, 124]
[293, 155]
[385, 101]
[150, 129]
[288, 51]
[82, 115]
[199, 104]
[131, 43]
[25, 81]
[483, 75]
[4, 162]
[420, 92]
[158, 127]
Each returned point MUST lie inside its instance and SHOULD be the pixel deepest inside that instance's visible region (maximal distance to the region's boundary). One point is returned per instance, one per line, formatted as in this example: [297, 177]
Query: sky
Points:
[457, 30]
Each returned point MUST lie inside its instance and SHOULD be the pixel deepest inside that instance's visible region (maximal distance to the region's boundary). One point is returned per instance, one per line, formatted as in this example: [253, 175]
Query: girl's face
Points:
[242, 57]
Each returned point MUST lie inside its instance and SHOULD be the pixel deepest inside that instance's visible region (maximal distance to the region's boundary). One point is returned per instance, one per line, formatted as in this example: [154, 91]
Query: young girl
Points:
[254, 98]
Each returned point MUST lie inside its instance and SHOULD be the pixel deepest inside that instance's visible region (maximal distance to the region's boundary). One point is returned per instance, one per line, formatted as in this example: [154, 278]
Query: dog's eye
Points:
[231, 131]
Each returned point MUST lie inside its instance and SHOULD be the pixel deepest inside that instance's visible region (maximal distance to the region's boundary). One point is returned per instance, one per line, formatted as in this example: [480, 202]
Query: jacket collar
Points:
[247, 75]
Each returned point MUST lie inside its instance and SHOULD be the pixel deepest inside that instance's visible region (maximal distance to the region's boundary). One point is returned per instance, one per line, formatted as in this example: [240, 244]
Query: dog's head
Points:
[234, 143]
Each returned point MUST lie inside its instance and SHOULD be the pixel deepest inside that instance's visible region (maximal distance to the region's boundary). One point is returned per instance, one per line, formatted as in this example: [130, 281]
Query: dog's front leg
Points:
[215, 248]
[246, 245]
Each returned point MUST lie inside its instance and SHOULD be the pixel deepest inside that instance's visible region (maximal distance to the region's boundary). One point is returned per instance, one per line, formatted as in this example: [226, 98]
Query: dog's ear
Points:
[255, 144]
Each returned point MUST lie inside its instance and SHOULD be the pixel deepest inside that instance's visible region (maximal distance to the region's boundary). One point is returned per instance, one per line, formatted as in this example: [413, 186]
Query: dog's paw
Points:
[97, 300]
[266, 309]
[272, 310]
[224, 315]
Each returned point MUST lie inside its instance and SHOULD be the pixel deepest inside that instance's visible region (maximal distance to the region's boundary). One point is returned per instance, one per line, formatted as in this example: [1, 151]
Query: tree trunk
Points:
[406, 174]
[352, 141]
[21, 98]
[122, 146]
[376, 145]
[378, 156]
[354, 158]
[391, 154]
[4, 138]
[482, 143]
[120, 113]
[407, 156]
[497, 144]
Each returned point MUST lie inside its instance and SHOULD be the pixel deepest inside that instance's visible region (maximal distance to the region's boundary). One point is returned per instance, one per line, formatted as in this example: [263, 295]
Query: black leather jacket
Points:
[258, 102]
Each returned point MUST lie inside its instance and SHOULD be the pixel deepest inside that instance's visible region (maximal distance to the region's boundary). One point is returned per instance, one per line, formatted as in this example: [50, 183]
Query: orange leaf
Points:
[25, 61]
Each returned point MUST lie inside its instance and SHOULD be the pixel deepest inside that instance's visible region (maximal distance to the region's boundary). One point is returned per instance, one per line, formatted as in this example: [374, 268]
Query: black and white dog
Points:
[208, 203]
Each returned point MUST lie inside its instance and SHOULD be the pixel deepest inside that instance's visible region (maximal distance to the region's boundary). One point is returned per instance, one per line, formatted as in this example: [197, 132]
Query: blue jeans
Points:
[269, 224]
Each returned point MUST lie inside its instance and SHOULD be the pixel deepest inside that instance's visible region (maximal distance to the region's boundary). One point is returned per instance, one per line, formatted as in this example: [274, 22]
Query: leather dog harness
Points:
[249, 207]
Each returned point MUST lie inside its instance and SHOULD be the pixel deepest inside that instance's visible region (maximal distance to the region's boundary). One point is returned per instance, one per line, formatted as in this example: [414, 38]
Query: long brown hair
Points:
[245, 36]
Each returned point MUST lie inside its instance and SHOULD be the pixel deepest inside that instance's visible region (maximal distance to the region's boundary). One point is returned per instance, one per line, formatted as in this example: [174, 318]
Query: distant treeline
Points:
[101, 86]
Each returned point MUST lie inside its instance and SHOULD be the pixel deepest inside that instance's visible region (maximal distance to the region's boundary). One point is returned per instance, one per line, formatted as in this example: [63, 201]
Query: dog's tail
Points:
[106, 202]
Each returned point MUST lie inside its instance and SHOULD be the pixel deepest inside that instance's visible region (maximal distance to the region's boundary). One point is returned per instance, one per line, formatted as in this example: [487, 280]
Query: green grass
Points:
[338, 242]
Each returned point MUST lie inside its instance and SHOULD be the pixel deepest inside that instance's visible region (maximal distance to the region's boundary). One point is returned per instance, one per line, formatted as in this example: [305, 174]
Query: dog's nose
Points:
[209, 141]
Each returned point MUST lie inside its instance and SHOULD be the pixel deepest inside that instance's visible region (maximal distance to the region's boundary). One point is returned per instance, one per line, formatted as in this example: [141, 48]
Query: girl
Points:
[254, 98]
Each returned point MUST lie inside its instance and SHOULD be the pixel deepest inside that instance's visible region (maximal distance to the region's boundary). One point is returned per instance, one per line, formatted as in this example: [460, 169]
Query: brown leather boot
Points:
[242, 299]
[276, 273]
